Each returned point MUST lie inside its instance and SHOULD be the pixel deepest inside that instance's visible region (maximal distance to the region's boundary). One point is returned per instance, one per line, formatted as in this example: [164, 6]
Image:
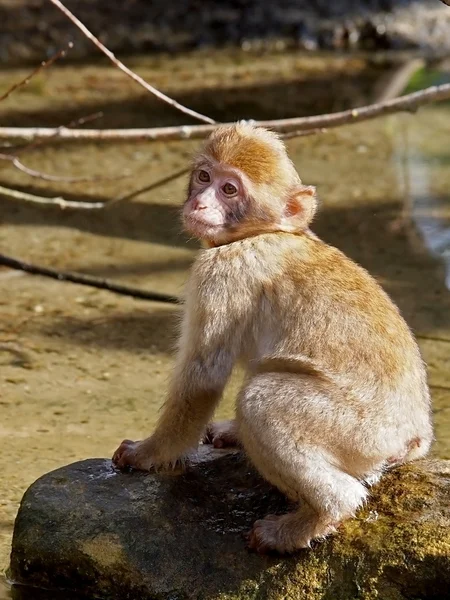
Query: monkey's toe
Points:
[127, 456]
[262, 538]
[119, 453]
[221, 435]
[257, 540]
[274, 535]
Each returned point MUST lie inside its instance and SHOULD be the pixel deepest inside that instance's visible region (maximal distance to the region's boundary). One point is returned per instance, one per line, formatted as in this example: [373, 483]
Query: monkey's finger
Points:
[254, 544]
[252, 538]
[208, 436]
[121, 452]
[226, 440]
[256, 539]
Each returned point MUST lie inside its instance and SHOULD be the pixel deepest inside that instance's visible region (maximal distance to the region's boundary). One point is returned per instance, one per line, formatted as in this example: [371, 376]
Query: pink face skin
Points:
[215, 203]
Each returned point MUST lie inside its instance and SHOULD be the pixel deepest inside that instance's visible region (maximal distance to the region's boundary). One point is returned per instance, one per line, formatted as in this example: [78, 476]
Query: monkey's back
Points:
[343, 318]
[311, 310]
[312, 302]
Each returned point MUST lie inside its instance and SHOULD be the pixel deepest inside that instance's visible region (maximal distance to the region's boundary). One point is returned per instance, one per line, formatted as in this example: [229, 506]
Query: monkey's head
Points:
[243, 184]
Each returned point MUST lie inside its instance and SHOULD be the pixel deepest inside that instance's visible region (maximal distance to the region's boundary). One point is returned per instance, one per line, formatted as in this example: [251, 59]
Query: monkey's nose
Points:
[199, 205]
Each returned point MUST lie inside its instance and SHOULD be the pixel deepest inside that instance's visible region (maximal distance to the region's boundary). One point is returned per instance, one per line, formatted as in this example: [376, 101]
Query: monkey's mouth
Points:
[197, 224]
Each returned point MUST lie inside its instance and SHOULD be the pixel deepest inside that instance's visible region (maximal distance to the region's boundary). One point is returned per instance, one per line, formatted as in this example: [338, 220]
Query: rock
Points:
[89, 530]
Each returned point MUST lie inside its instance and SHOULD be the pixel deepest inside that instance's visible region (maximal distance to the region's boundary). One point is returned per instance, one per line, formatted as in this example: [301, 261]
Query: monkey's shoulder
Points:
[249, 259]
[305, 258]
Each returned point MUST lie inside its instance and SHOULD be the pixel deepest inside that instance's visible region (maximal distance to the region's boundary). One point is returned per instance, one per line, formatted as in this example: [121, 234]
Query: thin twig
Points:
[126, 70]
[75, 123]
[45, 63]
[79, 204]
[150, 187]
[37, 143]
[13, 158]
[432, 338]
[409, 102]
[300, 133]
[58, 178]
[56, 201]
[444, 388]
[87, 280]
[18, 164]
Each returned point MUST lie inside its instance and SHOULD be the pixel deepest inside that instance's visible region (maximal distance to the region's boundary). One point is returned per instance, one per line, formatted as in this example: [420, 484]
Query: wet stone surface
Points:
[89, 530]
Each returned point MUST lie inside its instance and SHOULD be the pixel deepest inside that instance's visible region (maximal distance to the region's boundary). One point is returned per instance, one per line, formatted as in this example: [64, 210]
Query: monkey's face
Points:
[217, 202]
[244, 184]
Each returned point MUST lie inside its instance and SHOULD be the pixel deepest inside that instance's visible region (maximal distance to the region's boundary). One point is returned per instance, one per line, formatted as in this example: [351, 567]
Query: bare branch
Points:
[431, 338]
[126, 70]
[151, 186]
[16, 162]
[56, 201]
[38, 142]
[408, 103]
[76, 122]
[58, 178]
[300, 133]
[79, 204]
[43, 65]
[87, 280]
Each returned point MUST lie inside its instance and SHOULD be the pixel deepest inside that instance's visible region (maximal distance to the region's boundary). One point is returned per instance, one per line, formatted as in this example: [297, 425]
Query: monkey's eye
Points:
[204, 177]
[229, 189]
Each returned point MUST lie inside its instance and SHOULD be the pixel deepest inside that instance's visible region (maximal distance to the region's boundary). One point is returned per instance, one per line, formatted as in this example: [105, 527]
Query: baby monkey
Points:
[335, 389]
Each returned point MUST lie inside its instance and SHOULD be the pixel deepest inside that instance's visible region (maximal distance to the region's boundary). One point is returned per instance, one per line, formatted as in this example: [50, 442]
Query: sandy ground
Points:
[82, 368]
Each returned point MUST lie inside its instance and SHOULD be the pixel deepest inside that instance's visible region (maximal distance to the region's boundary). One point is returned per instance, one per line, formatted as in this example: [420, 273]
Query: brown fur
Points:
[256, 152]
[252, 156]
[335, 390]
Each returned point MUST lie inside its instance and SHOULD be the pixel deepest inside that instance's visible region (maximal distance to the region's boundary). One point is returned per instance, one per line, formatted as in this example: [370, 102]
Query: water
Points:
[81, 368]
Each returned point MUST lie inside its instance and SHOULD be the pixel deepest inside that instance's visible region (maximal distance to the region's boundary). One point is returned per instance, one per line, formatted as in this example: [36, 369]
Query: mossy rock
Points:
[90, 531]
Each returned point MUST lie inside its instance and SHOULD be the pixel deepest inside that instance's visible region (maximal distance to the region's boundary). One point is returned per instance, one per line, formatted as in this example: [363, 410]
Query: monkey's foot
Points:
[287, 533]
[221, 434]
[142, 457]
[132, 455]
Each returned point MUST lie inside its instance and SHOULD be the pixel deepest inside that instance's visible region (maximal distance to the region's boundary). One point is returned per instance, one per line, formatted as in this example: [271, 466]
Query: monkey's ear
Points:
[300, 208]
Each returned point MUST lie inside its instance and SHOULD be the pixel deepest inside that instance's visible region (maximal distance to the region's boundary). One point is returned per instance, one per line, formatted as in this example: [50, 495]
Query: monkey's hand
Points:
[141, 455]
[222, 434]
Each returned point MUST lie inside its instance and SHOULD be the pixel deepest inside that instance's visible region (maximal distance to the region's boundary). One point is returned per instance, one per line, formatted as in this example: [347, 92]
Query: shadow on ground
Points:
[137, 331]
[372, 237]
[262, 100]
[136, 220]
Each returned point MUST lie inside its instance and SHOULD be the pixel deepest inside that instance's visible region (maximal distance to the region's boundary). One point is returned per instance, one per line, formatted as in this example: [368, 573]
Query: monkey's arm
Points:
[214, 324]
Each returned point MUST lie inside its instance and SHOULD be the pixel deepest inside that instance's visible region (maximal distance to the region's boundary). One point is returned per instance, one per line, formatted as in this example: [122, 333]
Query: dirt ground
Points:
[82, 368]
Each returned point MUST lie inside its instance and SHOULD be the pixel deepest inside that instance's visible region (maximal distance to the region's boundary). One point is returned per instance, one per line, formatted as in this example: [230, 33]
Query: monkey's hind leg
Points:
[329, 497]
[276, 426]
